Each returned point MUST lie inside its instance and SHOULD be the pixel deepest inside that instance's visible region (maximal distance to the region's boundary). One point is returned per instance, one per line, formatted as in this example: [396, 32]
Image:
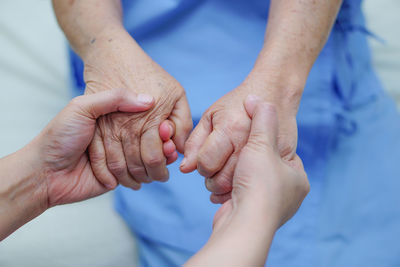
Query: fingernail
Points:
[145, 99]
[183, 162]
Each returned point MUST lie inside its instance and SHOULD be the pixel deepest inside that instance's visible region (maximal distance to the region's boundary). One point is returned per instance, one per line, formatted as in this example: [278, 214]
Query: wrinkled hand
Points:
[215, 144]
[62, 145]
[133, 148]
[264, 184]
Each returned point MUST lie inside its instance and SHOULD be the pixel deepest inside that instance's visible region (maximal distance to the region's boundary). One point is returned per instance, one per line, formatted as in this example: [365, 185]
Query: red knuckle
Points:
[219, 185]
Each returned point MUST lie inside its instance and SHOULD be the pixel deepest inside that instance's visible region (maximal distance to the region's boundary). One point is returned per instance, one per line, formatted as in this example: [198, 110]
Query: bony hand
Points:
[215, 144]
[264, 185]
[135, 148]
[62, 145]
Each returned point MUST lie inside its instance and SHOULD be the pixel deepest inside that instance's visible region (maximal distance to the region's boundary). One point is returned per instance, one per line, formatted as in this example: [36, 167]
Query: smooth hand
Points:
[216, 142]
[267, 191]
[62, 145]
[133, 148]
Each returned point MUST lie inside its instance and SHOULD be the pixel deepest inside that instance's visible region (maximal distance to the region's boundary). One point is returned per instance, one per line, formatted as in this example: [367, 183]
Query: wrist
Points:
[32, 178]
[246, 237]
[280, 80]
[284, 93]
[102, 42]
[23, 193]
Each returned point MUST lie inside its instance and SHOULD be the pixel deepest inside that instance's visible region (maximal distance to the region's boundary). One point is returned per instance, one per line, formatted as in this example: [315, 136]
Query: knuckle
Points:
[206, 167]
[137, 171]
[131, 184]
[162, 177]
[219, 185]
[223, 184]
[117, 168]
[119, 94]
[112, 185]
[154, 161]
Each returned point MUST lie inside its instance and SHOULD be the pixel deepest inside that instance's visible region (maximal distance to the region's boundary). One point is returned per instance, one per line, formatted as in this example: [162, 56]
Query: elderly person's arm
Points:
[54, 168]
[127, 148]
[296, 33]
[267, 191]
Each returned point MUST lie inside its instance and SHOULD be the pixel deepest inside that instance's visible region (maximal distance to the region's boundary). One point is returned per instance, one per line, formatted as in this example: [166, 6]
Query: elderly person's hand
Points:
[267, 191]
[54, 168]
[215, 144]
[128, 148]
[63, 144]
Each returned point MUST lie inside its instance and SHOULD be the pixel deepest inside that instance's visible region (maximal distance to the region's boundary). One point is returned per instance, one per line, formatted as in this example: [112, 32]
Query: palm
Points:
[75, 185]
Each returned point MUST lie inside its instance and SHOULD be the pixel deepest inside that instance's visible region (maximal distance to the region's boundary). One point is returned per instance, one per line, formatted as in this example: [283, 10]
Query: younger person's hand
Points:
[63, 144]
[264, 182]
[54, 168]
[266, 192]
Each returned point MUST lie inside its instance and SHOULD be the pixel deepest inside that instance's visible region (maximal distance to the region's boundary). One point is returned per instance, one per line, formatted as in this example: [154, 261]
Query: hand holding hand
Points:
[264, 183]
[62, 145]
[215, 144]
[134, 148]
[267, 191]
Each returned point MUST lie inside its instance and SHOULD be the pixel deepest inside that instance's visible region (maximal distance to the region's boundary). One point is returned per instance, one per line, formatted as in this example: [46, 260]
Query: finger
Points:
[214, 153]
[221, 183]
[169, 148]
[133, 157]
[116, 162]
[98, 162]
[151, 149]
[96, 105]
[182, 119]
[167, 130]
[220, 199]
[170, 153]
[264, 125]
[172, 158]
[194, 143]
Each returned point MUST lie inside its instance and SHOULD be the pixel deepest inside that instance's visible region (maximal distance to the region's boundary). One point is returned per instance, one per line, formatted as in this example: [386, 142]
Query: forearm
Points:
[296, 33]
[243, 241]
[87, 23]
[23, 194]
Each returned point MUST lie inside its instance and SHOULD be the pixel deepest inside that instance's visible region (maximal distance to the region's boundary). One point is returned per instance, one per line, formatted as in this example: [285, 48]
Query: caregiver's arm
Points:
[296, 33]
[54, 169]
[267, 191]
[126, 146]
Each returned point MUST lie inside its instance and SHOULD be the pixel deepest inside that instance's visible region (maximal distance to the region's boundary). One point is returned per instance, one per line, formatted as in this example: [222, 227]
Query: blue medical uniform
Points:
[349, 137]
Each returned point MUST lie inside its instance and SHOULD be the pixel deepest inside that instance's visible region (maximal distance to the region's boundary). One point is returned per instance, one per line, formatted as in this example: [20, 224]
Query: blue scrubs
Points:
[349, 137]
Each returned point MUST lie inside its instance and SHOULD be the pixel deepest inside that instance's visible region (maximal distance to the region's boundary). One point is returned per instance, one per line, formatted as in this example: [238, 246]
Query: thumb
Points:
[264, 125]
[102, 103]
